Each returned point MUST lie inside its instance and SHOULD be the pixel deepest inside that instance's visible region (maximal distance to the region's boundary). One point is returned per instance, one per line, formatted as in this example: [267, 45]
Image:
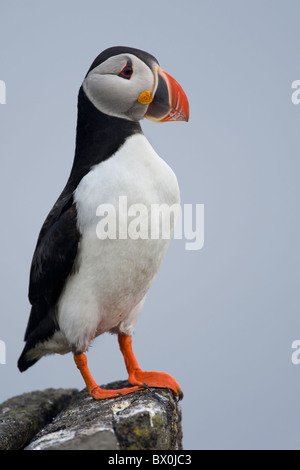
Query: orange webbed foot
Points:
[102, 394]
[94, 390]
[136, 376]
[155, 379]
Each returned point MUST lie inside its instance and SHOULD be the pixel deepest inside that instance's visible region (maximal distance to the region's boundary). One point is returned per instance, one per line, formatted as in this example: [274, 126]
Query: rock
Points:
[150, 419]
[71, 420]
[23, 416]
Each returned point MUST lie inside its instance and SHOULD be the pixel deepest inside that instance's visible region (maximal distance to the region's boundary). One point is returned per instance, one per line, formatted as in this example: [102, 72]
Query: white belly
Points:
[112, 276]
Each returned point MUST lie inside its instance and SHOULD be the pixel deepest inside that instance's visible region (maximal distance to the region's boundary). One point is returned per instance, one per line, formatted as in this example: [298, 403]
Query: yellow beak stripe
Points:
[145, 97]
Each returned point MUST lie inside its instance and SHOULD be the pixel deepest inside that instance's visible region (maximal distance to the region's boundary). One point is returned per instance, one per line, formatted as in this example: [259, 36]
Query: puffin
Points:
[81, 284]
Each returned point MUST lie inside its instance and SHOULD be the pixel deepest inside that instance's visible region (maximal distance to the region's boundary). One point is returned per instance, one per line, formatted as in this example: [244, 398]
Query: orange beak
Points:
[170, 102]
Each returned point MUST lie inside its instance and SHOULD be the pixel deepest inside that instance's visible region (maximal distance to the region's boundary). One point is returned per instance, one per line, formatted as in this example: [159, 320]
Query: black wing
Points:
[54, 254]
[52, 262]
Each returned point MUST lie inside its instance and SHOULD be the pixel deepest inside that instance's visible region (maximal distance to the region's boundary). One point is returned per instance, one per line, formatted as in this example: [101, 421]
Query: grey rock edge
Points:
[65, 419]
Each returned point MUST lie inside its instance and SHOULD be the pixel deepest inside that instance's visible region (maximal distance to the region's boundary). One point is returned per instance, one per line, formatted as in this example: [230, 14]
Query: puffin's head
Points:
[129, 83]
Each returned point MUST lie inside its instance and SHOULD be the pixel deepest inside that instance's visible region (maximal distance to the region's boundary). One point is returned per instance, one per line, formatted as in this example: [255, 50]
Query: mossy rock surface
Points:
[71, 420]
[22, 417]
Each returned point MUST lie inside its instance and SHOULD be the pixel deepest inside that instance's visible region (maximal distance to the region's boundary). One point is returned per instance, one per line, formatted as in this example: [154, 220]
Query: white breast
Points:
[107, 290]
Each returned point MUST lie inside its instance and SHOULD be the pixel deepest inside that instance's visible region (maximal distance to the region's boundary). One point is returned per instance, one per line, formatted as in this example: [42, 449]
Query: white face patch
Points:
[115, 95]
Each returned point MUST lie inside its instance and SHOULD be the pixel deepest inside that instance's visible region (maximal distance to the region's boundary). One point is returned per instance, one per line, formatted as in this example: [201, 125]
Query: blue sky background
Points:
[221, 320]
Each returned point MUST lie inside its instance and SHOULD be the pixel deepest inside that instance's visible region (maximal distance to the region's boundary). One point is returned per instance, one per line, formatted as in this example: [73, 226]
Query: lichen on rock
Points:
[148, 419]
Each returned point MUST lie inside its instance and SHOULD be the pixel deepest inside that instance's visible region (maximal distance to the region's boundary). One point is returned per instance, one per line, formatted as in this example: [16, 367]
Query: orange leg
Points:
[94, 390]
[136, 376]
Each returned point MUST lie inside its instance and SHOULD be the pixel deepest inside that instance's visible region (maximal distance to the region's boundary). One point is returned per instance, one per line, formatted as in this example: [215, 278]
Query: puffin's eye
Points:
[127, 71]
